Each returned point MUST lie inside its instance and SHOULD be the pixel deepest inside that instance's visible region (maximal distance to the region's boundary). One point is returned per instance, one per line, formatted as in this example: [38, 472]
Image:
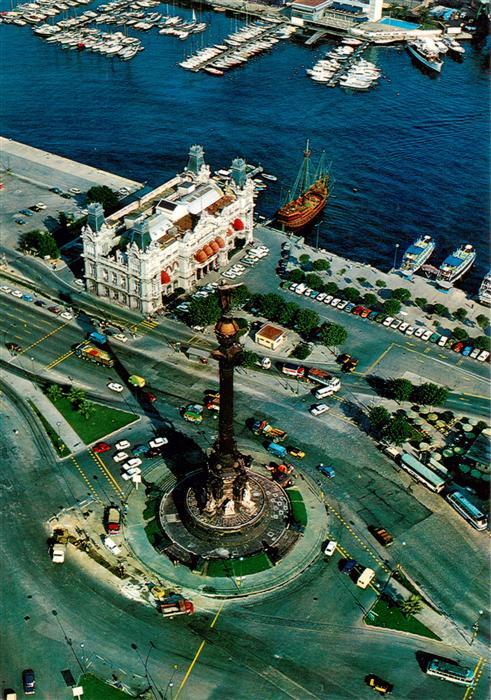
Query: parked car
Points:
[443, 341]
[342, 305]
[327, 470]
[66, 315]
[380, 318]
[131, 463]
[365, 313]
[328, 299]
[127, 474]
[395, 323]
[100, 447]
[372, 315]
[122, 445]
[56, 190]
[388, 321]
[330, 548]
[26, 212]
[19, 221]
[296, 452]
[121, 337]
[349, 307]
[114, 386]
[158, 442]
[27, 297]
[348, 566]
[483, 356]
[410, 330]
[426, 335]
[16, 293]
[28, 681]
[74, 190]
[467, 350]
[357, 310]
[434, 337]
[475, 353]
[321, 296]
[112, 546]
[41, 206]
[39, 302]
[419, 332]
[403, 327]
[335, 301]
[120, 457]
[458, 347]
[149, 397]
[139, 450]
[293, 286]
[54, 309]
[319, 408]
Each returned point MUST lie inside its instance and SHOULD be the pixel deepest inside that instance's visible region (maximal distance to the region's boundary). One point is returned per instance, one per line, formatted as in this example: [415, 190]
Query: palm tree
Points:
[86, 408]
[54, 392]
[76, 396]
[411, 606]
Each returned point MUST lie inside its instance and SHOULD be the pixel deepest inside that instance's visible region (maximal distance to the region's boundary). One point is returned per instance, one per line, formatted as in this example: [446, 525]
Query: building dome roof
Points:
[220, 241]
[238, 225]
[201, 256]
[208, 250]
[214, 246]
[227, 327]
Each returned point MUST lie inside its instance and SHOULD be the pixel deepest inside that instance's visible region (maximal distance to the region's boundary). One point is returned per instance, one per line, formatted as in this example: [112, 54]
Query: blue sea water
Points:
[415, 148]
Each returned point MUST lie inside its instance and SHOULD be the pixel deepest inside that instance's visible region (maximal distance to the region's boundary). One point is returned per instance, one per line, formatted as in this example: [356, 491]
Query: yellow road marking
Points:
[379, 358]
[477, 675]
[85, 478]
[112, 481]
[55, 330]
[198, 653]
[60, 359]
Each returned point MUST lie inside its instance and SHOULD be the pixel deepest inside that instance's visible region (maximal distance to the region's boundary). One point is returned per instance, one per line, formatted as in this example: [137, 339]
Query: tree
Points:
[105, 196]
[314, 281]
[204, 311]
[351, 294]
[380, 284]
[86, 408]
[392, 307]
[287, 313]
[40, 242]
[240, 296]
[401, 294]
[482, 321]
[460, 334]
[320, 265]
[304, 258]
[460, 314]
[400, 389]
[76, 396]
[249, 359]
[379, 417]
[398, 431]
[422, 303]
[330, 288]
[430, 394]
[54, 392]
[301, 351]
[411, 606]
[483, 343]
[296, 275]
[370, 299]
[271, 305]
[331, 334]
[306, 320]
[440, 310]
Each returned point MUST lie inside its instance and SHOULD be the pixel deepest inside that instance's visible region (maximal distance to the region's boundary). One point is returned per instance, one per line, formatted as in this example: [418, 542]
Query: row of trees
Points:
[41, 243]
[427, 394]
[75, 396]
[393, 429]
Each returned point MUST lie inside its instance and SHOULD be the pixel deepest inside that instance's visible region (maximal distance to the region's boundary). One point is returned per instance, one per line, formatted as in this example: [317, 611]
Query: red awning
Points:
[238, 225]
[164, 277]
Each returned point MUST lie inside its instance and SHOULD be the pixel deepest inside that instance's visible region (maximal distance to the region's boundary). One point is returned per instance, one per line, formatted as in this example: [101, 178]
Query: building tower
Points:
[196, 159]
[238, 171]
[95, 216]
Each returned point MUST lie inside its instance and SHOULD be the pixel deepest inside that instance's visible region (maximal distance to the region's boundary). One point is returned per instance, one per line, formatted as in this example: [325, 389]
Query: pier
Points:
[347, 64]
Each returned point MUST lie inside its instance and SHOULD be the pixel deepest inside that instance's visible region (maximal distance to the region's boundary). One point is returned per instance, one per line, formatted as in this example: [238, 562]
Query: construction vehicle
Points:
[381, 534]
[98, 338]
[58, 546]
[89, 352]
[350, 365]
[265, 428]
[137, 381]
[176, 605]
[113, 520]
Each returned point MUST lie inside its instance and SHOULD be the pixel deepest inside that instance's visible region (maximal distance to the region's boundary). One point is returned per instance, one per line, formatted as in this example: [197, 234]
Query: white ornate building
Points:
[170, 238]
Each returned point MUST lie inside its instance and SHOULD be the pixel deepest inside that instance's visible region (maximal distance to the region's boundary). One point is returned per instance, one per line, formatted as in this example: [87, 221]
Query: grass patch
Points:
[99, 424]
[154, 533]
[58, 444]
[299, 511]
[95, 689]
[392, 618]
[237, 568]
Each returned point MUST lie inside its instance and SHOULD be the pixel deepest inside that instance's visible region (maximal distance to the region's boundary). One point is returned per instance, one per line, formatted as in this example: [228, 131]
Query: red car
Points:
[54, 309]
[101, 447]
[458, 347]
[358, 310]
[149, 397]
[365, 313]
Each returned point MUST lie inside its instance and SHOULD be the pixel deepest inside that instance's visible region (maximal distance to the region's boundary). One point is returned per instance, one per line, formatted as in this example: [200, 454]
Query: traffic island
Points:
[388, 616]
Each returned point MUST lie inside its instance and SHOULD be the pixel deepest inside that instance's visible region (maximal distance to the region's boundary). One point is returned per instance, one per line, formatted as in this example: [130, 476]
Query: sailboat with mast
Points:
[309, 195]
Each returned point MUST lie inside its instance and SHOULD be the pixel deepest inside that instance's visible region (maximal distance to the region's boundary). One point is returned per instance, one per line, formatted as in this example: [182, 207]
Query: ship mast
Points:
[304, 179]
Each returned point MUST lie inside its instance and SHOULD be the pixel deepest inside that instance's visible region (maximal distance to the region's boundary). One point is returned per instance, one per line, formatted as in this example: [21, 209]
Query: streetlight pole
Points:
[475, 628]
[317, 237]
[151, 684]
[67, 639]
[395, 256]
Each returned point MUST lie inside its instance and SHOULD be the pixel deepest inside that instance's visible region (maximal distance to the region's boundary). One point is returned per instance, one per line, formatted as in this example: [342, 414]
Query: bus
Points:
[421, 473]
[468, 510]
[450, 671]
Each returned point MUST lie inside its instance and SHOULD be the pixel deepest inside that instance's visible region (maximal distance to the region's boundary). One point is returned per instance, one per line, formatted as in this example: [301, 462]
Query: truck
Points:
[320, 376]
[171, 607]
[365, 577]
[137, 381]
[98, 338]
[292, 370]
[58, 553]
[350, 365]
[277, 450]
[113, 520]
[381, 535]
[91, 353]
[265, 428]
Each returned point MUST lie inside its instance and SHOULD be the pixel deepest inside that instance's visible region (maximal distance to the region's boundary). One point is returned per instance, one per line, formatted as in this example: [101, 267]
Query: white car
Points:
[403, 327]
[132, 471]
[319, 408]
[123, 445]
[238, 266]
[78, 282]
[321, 296]
[396, 323]
[121, 337]
[238, 273]
[293, 286]
[16, 293]
[387, 321]
[4, 288]
[308, 292]
[410, 330]
[131, 463]
[483, 356]
[158, 442]
[328, 299]
[199, 329]
[115, 387]
[112, 546]
[342, 304]
[475, 353]
[120, 456]
[443, 341]
[41, 205]
[426, 335]
[229, 275]
[300, 289]
[183, 307]
[330, 548]
[74, 190]
[66, 315]
[335, 301]
[419, 332]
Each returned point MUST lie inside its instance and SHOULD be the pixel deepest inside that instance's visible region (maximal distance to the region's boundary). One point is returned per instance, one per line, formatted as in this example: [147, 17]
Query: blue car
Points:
[467, 350]
[349, 307]
[327, 471]
[348, 566]
[372, 315]
[27, 297]
[140, 450]
[26, 212]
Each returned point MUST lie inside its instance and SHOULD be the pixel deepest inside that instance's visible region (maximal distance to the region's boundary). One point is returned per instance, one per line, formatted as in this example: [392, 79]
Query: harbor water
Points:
[408, 158]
